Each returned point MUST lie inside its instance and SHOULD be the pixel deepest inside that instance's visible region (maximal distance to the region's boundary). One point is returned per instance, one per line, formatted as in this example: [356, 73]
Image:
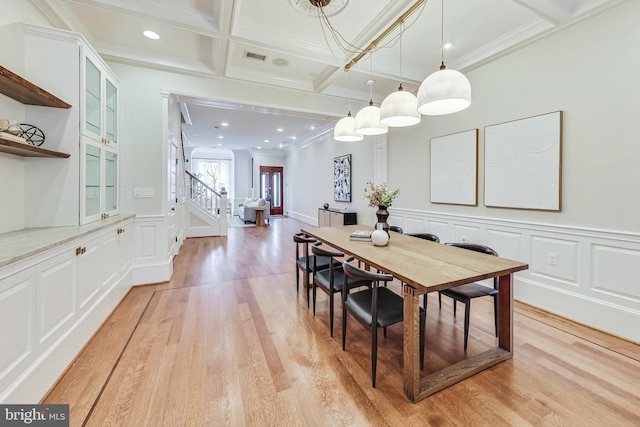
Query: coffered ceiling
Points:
[282, 43]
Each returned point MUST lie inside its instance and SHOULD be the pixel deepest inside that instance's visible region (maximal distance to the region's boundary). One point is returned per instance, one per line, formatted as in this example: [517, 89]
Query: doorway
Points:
[271, 178]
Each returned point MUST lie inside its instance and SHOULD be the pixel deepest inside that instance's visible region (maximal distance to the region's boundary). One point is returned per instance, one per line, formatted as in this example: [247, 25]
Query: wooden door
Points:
[271, 185]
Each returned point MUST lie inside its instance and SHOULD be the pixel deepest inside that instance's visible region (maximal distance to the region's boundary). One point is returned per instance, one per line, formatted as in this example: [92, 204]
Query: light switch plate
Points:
[142, 193]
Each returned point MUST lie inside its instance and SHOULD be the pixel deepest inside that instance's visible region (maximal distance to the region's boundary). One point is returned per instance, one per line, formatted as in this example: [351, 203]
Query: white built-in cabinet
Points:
[85, 186]
[99, 168]
[53, 301]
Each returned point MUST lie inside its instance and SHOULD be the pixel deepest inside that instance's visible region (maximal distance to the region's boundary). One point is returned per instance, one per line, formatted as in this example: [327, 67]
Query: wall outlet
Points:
[552, 258]
[142, 193]
[465, 239]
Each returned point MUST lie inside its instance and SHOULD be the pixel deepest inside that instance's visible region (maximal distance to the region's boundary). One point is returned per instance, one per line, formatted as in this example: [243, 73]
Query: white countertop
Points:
[20, 244]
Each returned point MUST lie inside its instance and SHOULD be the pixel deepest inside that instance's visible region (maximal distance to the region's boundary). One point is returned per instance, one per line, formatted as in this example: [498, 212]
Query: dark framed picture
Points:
[342, 178]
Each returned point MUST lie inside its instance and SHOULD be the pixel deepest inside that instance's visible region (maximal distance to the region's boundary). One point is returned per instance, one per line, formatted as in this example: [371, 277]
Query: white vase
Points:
[379, 238]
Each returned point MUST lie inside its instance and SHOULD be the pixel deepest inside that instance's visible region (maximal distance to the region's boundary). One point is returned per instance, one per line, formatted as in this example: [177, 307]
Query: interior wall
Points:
[588, 71]
[309, 178]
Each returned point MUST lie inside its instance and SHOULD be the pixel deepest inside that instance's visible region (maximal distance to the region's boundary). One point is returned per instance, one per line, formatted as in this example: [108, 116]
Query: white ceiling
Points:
[211, 37]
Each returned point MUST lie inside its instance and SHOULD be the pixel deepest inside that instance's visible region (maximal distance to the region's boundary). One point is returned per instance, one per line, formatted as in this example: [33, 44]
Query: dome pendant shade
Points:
[444, 92]
[400, 109]
[368, 121]
[344, 130]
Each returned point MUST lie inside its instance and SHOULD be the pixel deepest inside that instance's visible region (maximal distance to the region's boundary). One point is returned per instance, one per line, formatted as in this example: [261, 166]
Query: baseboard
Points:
[152, 273]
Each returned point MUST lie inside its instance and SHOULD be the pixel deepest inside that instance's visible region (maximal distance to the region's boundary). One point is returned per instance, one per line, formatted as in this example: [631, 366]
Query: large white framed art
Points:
[522, 166]
[454, 168]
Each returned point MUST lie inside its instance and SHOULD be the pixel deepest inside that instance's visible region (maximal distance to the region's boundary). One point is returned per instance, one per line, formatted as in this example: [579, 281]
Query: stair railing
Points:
[208, 199]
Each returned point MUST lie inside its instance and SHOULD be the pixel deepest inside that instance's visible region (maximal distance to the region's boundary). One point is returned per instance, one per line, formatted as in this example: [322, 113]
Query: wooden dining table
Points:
[424, 267]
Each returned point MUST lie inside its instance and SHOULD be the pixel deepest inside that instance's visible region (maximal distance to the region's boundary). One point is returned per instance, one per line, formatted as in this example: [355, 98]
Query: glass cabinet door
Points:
[111, 181]
[92, 118]
[92, 181]
[111, 112]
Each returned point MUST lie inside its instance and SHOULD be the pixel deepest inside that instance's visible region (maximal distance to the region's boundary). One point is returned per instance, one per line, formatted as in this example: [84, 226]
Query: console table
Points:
[336, 217]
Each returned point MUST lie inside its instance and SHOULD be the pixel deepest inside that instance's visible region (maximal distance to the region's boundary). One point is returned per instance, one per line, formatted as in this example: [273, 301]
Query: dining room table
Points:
[425, 267]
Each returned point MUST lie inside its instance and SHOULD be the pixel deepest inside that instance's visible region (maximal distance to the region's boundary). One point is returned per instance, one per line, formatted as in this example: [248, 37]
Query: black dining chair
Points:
[465, 293]
[425, 236]
[330, 280]
[305, 261]
[376, 307]
[396, 229]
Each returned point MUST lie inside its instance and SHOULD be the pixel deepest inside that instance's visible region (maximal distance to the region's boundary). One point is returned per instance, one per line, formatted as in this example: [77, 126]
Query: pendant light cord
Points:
[442, 66]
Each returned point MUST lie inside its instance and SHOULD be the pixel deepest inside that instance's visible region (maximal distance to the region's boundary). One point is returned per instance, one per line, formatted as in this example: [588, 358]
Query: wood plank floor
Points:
[228, 342]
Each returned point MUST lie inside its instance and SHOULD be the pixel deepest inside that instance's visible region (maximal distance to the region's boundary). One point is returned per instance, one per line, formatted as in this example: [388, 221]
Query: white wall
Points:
[309, 178]
[587, 70]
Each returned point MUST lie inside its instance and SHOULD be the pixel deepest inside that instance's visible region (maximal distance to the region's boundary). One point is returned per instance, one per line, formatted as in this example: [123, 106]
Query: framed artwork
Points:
[342, 178]
[523, 161]
[454, 168]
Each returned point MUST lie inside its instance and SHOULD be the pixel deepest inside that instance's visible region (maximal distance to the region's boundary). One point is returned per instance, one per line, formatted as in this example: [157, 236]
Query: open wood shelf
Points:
[26, 92]
[26, 150]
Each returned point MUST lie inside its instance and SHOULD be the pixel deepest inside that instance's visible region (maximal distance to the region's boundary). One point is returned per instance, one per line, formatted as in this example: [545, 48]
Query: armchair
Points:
[247, 212]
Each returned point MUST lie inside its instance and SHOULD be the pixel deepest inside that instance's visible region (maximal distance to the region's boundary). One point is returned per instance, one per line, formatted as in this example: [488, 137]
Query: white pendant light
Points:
[368, 119]
[344, 130]
[400, 108]
[445, 91]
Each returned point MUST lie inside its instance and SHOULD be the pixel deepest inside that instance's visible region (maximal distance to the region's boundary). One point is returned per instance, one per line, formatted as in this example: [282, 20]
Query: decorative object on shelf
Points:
[381, 197]
[9, 126]
[326, 206]
[379, 238]
[342, 178]
[31, 134]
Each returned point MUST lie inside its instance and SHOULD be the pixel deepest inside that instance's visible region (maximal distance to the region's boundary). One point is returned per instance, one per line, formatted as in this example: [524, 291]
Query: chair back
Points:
[319, 251]
[477, 248]
[425, 236]
[302, 239]
[396, 229]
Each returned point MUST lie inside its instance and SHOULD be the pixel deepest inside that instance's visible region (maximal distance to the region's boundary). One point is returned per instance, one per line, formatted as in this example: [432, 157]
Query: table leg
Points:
[411, 354]
[260, 218]
[505, 313]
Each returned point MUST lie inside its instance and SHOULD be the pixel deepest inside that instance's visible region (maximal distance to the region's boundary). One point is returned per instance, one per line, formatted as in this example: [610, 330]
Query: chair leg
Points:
[313, 304]
[454, 308]
[297, 279]
[467, 313]
[374, 353]
[439, 300]
[308, 285]
[384, 331]
[331, 314]
[344, 327]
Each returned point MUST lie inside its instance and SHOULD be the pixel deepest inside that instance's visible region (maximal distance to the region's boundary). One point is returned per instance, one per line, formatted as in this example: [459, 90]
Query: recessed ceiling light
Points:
[266, 140]
[259, 147]
[220, 137]
[280, 129]
[219, 144]
[224, 124]
[312, 127]
[280, 62]
[448, 45]
[151, 34]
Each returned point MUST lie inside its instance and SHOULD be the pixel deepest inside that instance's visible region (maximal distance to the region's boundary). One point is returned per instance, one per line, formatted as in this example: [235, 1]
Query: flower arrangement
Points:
[379, 195]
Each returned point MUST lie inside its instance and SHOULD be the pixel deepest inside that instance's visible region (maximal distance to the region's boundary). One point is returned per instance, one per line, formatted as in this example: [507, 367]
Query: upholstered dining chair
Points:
[465, 293]
[375, 307]
[425, 236]
[330, 280]
[305, 261]
[396, 229]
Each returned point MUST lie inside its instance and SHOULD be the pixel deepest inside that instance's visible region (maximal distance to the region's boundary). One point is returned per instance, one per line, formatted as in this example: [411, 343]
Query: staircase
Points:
[207, 209]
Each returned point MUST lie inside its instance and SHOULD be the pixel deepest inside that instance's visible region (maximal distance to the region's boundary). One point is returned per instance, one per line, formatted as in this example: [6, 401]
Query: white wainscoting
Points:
[150, 261]
[587, 275]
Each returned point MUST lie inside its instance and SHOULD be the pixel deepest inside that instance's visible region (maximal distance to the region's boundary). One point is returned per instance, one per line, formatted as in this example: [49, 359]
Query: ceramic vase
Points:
[382, 214]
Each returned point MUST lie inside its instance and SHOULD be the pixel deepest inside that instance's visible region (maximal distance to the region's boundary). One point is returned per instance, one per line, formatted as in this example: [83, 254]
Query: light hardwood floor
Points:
[228, 342]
